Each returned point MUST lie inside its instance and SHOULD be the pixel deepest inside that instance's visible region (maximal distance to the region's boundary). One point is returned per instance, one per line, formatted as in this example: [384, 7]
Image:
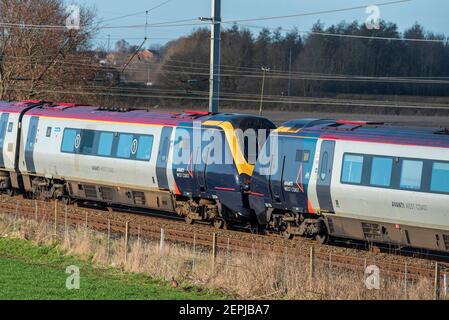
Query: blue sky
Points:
[433, 14]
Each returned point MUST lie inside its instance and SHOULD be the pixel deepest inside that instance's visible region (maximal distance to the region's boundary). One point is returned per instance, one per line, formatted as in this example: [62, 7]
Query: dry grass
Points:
[242, 276]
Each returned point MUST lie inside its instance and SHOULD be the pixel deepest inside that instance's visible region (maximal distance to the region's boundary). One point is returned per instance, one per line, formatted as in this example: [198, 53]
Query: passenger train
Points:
[315, 178]
[76, 152]
[357, 180]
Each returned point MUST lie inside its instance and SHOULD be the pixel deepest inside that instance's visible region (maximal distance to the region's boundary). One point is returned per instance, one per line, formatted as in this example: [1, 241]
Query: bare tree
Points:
[39, 56]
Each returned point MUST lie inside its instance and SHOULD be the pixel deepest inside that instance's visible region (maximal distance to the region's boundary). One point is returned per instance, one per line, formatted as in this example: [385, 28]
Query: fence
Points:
[221, 249]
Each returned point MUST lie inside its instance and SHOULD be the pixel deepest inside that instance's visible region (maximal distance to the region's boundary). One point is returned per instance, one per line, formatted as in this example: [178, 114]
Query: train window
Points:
[87, 141]
[68, 140]
[324, 165]
[165, 149]
[411, 174]
[302, 155]
[352, 169]
[10, 125]
[48, 133]
[381, 170]
[124, 145]
[440, 177]
[105, 144]
[144, 148]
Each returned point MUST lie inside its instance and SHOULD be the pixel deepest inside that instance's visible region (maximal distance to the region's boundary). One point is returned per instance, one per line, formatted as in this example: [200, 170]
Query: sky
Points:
[432, 14]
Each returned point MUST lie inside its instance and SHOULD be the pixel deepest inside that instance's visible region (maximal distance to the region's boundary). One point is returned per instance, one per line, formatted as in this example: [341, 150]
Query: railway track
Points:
[175, 230]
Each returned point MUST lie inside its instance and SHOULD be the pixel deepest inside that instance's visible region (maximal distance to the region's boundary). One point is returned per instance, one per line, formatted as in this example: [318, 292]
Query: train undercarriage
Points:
[36, 187]
[291, 224]
[211, 211]
[205, 210]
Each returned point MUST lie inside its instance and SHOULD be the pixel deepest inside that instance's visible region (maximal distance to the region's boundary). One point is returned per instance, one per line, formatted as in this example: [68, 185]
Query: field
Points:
[28, 271]
[35, 269]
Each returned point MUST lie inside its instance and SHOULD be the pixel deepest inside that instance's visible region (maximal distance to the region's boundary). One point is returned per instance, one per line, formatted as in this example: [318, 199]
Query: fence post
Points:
[252, 252]
[66, 231]
[445, 282]
[15, 214]
[214, 250]
[35, 209]
[162, 240]
[138, 236]
[56, 217]
[109, 239]
[437, 282]
[194, 251]
[311, 267]
[86, 225]
[329, 273]
[405, 281]
[227, 254]
[126, 240]
[285, 259]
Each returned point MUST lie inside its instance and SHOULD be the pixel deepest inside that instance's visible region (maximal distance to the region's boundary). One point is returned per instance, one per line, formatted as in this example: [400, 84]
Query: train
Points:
[125, 157]
[316, 178]
[366, 181]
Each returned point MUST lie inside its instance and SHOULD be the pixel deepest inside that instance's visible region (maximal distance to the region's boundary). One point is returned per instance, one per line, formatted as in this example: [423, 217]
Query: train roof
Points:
[122, 114]
[16, 106]
[365, 131]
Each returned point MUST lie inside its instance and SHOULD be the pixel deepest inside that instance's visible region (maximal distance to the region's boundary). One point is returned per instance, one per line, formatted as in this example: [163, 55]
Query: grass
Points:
[106, 274]
[28, 271]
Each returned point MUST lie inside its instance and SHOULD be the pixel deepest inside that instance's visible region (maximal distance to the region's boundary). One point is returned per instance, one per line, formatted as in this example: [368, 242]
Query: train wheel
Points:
[219, 223]
[322, 238]
[10, 192]
[65, 200]
[287, 235]
[225, 225]
[261, 229]
[189, 220]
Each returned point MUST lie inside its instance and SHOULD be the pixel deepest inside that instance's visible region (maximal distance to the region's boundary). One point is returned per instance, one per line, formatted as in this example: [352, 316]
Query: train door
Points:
[200, 167]
[162, 158]
[3, 125]
[30, 142]
[324, 178]
[206, 161]
[297, 173]
[277, 173]
[183, 161]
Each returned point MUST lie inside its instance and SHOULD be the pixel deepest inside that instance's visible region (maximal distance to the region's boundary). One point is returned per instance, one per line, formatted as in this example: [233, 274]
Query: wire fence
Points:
[220, 251]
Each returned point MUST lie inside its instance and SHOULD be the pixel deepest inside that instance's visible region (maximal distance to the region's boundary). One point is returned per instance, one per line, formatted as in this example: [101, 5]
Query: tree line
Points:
[322, 62]
[62, 64]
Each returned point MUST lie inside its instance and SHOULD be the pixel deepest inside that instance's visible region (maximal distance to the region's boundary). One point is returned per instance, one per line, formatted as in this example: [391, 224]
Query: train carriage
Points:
[11, 114]
[359, 180]
[130, 158]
